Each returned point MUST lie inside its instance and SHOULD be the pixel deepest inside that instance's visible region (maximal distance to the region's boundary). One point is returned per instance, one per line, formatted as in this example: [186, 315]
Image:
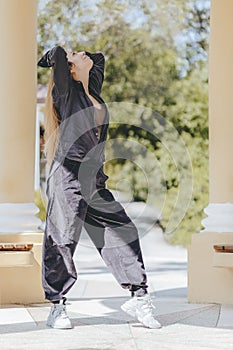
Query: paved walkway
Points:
[94, 307]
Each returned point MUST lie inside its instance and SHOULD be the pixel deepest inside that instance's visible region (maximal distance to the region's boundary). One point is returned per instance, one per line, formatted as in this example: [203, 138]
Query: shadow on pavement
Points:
[205, 315]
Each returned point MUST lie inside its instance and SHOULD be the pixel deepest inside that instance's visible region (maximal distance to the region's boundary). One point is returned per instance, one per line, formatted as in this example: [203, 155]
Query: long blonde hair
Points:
[51, 124]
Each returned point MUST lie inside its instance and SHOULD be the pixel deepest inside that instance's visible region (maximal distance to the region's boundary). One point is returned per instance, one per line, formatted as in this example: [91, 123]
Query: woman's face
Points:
[80, 60]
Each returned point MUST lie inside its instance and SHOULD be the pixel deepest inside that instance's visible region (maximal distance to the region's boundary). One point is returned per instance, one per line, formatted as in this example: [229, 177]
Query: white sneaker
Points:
[58, 317]
[142, 309]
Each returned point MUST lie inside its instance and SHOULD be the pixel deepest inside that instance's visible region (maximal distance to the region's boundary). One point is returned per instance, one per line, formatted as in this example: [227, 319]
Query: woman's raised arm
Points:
[97, 71]
[56, 58]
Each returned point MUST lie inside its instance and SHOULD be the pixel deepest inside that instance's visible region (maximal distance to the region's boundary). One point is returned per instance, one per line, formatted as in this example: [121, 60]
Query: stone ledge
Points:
[223, 260]
[16, 259]
[29, 237]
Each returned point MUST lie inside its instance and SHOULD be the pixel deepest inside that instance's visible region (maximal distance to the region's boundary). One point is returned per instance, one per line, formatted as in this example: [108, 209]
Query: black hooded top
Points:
[77, 126]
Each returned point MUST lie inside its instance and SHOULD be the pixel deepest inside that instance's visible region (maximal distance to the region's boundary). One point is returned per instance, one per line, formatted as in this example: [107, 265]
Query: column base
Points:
[210, 276]
[21, 284]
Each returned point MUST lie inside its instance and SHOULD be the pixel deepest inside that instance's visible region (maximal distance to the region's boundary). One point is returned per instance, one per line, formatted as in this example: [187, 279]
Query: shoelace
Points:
[148, 306]
[61, 311]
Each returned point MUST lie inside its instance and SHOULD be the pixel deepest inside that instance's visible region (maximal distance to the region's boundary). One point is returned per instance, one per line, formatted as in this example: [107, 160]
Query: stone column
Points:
[20, 274]
[207, 282]
[18, 28]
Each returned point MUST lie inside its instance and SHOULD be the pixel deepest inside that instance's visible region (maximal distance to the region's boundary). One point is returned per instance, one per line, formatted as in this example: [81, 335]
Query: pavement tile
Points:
[79, 289]
[100, 287]
[39, 314]
[152, 345]
[226, 317]
[188, 316]
[89, 307]
[83, 336]
[180, 336]
[14, 316]
[204, 318]
[167, 307]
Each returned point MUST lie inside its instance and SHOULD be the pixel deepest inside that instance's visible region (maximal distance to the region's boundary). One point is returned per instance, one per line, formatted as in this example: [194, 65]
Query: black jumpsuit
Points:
[76, 190]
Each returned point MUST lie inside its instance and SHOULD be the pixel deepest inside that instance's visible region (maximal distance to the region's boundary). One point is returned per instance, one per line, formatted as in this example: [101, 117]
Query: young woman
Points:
[76, 124]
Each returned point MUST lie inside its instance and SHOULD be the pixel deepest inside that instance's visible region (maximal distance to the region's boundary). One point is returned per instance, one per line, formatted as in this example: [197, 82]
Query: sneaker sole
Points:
[145, 325]
[57, 327]
[157, 327]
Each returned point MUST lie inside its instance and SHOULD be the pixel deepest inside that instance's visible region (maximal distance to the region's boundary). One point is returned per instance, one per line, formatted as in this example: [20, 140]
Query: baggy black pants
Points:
[77, 197]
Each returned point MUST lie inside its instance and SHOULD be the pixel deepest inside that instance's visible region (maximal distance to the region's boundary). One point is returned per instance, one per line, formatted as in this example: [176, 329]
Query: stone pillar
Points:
[207, 282]
[18, 28]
